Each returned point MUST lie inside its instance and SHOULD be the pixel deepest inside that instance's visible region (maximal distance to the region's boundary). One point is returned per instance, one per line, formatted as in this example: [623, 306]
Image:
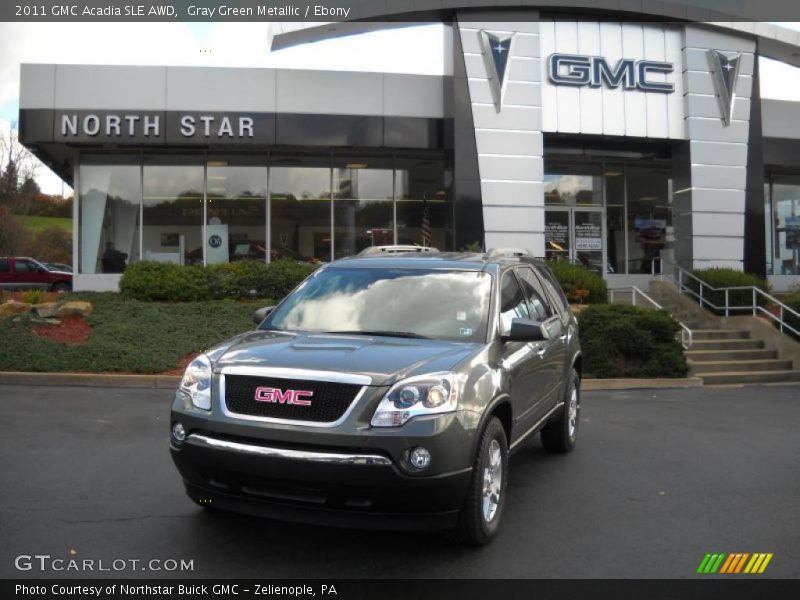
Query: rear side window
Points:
[553, 288]
[540, 305]
[4, 268]
[23, 266]
[512, 303]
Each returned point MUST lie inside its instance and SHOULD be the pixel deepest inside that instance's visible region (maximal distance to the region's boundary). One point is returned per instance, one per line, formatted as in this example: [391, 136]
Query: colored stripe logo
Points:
[734, 563]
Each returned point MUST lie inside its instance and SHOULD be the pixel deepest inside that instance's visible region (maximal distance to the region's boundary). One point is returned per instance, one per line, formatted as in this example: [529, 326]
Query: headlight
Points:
[431, 394]
[196, 382]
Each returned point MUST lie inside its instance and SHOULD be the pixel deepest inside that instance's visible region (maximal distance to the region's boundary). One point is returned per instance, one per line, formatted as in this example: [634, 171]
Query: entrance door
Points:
[576, 235]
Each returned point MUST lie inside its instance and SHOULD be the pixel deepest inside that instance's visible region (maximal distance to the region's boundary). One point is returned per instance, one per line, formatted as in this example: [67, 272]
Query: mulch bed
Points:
[71, 330]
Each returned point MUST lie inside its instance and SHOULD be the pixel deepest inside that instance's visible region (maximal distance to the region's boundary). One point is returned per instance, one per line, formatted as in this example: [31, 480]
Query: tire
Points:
[62, 287]
[479, 518]
[561, 434]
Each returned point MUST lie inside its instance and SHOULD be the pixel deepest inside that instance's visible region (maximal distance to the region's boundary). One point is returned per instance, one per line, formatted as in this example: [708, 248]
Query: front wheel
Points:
[62, 287]
[479, 518]
[561, 434]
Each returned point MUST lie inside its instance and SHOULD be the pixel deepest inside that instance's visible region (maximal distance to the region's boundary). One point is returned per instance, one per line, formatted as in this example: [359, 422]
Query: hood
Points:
[384, 359]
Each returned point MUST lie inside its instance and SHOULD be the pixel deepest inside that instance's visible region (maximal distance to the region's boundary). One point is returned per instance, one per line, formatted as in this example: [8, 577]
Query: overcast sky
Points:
[406, 50]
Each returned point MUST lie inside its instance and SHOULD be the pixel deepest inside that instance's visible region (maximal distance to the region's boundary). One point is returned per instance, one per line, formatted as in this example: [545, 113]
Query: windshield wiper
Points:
[404, 334]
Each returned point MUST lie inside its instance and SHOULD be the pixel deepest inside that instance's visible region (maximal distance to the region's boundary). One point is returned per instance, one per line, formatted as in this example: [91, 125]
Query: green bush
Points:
[33, 297]
[722, 278]
[151, 281]
[160, 281]
[580, 285]
[627, 341]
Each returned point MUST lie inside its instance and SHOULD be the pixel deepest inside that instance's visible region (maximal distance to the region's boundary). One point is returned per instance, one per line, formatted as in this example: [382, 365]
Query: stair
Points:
[721, 353]
[731, 356]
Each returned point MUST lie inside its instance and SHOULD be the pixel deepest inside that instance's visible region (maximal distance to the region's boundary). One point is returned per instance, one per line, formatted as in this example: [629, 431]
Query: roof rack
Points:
[510, 252]
[397, 249]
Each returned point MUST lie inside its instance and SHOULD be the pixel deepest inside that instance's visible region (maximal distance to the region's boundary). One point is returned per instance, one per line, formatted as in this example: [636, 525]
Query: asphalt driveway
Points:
[659, 479]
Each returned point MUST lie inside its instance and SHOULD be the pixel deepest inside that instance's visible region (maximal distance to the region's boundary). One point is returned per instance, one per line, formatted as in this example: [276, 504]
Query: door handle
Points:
[563, 337]
[541, 351]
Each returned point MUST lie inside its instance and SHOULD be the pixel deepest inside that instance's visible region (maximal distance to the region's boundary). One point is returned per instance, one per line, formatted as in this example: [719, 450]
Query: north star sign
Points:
[595, 71]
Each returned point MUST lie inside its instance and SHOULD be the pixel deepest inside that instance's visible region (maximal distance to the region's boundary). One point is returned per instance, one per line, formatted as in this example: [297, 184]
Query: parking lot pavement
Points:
[659, 478]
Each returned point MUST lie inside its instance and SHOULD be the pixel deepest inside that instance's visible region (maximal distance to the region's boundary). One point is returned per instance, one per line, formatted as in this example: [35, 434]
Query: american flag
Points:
[426, 224]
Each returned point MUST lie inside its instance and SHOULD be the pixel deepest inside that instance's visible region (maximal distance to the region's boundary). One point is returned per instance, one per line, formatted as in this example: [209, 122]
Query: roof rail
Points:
[397, 249]
[510, 252]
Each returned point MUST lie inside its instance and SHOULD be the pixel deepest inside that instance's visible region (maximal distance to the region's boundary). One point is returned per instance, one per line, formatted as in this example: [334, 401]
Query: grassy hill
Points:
[39, 223]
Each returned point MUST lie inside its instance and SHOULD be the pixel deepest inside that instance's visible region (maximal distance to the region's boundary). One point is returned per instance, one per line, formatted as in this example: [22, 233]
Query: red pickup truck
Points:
[22, 273]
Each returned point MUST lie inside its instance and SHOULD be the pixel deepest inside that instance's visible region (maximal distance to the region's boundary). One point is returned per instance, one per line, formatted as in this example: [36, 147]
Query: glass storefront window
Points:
[786, 224]
[565, 185]
[173, 213]
[423, 207]
[614, 179]
[363, 214]
[300, 198]
[110, 196]
[649, 217]
[236, 214]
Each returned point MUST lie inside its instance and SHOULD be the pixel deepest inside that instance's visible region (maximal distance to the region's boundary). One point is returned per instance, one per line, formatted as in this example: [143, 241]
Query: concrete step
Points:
[726, 344]
[733, 377]
[726, 366]
[729, 355]
[720, 334]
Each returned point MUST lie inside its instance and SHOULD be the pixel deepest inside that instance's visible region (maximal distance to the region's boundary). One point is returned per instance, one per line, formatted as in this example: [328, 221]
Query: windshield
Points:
[450, 305]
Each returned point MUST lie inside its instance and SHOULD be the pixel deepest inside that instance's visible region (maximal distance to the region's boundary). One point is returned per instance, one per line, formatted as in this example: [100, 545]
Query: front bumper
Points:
[339, 487]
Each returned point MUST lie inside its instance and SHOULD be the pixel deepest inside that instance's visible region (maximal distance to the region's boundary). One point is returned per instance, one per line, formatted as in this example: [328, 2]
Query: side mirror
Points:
[261, 314]
[526, 330]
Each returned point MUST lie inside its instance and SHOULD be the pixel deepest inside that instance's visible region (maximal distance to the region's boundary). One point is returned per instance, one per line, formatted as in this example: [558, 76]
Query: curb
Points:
[172, 381]
[91, 380]
[593, 385]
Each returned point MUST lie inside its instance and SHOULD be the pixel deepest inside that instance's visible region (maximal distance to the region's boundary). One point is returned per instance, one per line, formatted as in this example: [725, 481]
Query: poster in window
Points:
[588, 236]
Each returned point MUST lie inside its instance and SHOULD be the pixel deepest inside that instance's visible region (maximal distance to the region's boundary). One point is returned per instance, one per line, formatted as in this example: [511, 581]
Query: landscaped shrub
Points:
[246, 279]
[722, 278]
[580, 285]
[165, 282]
[627, 341]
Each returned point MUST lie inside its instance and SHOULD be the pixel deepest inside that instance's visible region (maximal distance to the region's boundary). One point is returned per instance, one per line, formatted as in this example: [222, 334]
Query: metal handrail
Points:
[754, 307]
[686, 333]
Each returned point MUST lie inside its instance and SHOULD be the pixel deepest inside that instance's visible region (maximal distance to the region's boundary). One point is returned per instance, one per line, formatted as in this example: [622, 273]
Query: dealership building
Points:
[615, 140]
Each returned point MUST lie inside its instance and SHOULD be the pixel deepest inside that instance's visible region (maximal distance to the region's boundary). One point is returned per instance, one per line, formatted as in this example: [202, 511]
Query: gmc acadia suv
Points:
[384, 392]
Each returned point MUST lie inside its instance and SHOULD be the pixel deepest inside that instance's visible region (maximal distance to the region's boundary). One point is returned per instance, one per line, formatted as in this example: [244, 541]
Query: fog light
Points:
[420, 458]
[178, 432]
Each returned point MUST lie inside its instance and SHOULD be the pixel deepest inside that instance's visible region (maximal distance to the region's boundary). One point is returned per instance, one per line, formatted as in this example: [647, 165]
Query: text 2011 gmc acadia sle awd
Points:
[384, 392]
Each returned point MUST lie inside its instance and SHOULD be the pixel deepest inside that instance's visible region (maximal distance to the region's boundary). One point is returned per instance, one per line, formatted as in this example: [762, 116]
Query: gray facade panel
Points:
[217, 89]
[37, 86]
[110, 87]
[320, 92]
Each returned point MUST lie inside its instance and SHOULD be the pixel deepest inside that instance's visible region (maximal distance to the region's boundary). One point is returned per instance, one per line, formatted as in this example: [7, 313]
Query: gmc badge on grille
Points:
[298, 397]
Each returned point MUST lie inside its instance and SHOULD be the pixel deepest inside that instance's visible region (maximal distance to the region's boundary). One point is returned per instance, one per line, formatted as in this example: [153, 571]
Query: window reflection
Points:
[435, 304]
[301, 211]
[237, 213]
[424, 212]
[786, 224]
[173, 213]
[109, 217]
[363, 212]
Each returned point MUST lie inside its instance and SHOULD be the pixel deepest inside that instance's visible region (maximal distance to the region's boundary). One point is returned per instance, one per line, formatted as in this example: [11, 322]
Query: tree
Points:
[29, 187]
[17, 163]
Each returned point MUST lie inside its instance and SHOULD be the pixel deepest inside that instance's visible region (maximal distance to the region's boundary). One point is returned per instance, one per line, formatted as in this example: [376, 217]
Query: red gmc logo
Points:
[268, 394]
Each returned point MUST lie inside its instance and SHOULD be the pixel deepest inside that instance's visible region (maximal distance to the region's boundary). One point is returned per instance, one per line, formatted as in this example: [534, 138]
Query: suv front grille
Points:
[328, 400]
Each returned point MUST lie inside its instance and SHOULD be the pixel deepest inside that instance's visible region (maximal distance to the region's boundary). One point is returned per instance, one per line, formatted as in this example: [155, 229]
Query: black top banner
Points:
[385, 10]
